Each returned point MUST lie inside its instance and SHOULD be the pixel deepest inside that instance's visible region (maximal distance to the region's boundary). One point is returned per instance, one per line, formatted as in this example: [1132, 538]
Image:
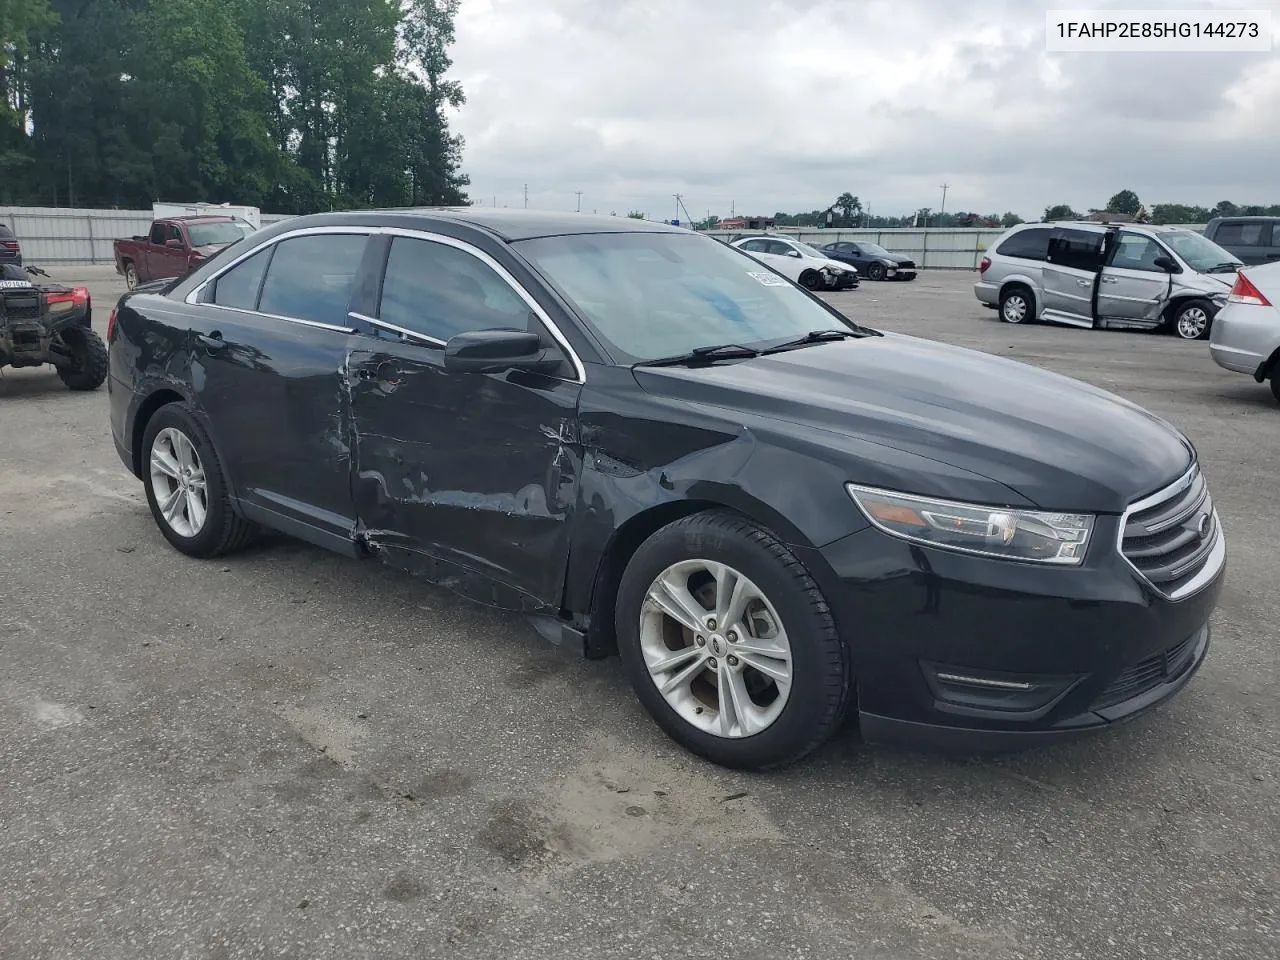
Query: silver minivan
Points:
[1107, 276]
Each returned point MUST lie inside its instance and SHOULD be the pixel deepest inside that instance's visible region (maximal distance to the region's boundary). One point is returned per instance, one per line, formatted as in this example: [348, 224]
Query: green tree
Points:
[850, 208]
[1060, 211]
[1126, 201]
[1010, 219]
[636, 215]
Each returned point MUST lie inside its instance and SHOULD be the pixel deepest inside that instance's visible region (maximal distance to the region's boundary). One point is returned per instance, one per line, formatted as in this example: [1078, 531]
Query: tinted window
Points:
[1243, 234]
[754, 246]
[439, 290]
[238, 287]
[5, 233]
[1031, 244]
[1080, 249]
[311, 277]
[779, 248]
[157, 233]
[1136, 252]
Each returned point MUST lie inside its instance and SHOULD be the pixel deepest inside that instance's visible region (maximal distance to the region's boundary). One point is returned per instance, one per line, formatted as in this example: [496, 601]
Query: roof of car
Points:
[202, 217]
[1102, 224]
[525, 224]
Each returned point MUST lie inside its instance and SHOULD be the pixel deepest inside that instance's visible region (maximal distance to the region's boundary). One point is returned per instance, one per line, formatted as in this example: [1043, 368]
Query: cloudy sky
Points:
[766, 105]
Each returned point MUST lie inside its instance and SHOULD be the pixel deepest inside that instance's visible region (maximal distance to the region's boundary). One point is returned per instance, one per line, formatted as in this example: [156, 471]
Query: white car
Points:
[806, 265]
[1245, 336]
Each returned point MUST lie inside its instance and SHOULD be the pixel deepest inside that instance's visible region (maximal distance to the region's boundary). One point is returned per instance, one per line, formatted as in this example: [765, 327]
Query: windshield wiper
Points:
[723, 351]
[1223, 267]
[813, 336]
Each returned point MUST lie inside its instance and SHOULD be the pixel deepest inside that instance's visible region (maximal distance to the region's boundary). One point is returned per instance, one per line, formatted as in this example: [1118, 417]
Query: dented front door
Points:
[477, 470]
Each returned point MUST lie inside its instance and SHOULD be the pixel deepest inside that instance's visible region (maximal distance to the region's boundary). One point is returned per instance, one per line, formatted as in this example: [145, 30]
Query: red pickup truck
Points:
[174, 247]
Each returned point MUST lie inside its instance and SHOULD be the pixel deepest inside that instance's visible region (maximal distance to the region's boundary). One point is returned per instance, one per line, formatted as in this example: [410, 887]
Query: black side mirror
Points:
[1166, 264]
[496, 351]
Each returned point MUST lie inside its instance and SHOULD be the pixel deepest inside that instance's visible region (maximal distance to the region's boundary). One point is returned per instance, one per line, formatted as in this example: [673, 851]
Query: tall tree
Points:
[1126, 201]
[1060, 211]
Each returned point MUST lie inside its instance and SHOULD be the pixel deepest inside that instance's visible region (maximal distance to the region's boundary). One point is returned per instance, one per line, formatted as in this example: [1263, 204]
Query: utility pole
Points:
[730, 209]
[944, 201]
[579, 193]
[677, 196]
[526, 196]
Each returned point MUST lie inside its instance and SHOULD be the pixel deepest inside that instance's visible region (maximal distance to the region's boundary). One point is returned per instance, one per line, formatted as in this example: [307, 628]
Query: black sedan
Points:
[656, 446]
[873, 261]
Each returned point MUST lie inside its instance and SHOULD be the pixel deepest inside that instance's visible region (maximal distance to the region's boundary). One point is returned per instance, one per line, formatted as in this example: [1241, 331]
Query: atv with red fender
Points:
[49, 323]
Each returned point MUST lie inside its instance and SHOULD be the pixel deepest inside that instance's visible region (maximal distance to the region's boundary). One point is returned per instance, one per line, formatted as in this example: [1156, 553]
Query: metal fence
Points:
[71, 236]
[941, 249]
[66, 235]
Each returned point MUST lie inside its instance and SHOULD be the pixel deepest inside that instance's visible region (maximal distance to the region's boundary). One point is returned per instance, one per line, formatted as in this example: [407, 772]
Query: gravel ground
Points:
[291, 754]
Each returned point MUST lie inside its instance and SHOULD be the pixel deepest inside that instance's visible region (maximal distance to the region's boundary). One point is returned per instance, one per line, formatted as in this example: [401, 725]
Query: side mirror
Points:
[1166, 264]
[793, 253]
[175, 244]
[496, 351]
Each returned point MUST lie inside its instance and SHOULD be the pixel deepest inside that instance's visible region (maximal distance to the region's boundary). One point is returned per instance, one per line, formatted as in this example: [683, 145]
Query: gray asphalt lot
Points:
[290, 754]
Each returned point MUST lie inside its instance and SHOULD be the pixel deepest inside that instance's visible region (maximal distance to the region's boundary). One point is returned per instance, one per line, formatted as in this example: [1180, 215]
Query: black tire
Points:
[1009, 297]
[130, 275]
[1275, 386]
[88, 369]
[811, 280]
[223, 531]
[821, 673]
[875, 271]
[1181, 319]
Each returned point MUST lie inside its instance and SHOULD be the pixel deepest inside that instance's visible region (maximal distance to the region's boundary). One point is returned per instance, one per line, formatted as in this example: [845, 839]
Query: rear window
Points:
[1243, 234]
[1030, 244]
[6, 233]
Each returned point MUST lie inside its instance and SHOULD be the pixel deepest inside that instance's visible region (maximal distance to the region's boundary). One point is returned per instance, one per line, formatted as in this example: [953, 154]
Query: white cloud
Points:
[783, 104]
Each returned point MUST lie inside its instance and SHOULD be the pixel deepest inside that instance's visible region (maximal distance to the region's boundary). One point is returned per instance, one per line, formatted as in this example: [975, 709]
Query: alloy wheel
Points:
[1014, 309]
[178, 480]
[716, 648]
[1192, 323]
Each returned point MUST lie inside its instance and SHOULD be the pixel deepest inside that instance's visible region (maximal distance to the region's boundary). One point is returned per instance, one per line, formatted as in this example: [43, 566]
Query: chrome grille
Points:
[1172, 538]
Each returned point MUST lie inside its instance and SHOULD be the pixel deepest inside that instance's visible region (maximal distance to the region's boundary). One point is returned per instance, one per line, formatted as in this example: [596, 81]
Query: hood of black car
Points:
[1061, 443]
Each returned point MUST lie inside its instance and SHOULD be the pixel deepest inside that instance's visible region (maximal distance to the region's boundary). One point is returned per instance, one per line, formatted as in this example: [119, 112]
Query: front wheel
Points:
[811, 280]
[1191, 320]
[875, 271]
[86, 366]
[729, 644]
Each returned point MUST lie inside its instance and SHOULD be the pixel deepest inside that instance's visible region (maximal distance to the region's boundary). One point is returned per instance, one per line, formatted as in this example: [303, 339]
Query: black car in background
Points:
[873, 261]
[10, 248]
[661, 448]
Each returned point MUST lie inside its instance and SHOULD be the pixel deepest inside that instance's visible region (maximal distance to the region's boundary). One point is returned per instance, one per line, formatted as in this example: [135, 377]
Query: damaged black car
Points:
[659, 448]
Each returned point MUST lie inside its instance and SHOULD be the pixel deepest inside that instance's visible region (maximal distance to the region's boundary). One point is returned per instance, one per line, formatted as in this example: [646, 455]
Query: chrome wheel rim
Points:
[130, 277]
[1191, 323]
[716, 649]
[1015, 309]
[178, 481]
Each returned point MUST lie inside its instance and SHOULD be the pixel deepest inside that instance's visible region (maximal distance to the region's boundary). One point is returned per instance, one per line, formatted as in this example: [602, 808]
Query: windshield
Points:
[1201, 253]
[811, 251]
[874, 250]
[204, 234]
[651, 295]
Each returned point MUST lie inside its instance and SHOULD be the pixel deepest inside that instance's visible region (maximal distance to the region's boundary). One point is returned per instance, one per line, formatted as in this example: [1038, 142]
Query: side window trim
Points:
[580, 372]
[404, 332]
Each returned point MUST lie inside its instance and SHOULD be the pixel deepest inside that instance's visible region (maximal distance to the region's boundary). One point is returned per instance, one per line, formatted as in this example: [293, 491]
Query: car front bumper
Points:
[976, 654]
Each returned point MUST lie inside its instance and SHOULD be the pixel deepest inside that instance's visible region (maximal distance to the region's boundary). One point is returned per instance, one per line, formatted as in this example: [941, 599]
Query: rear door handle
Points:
[1085, 283]
[1110, 279]
[212, 341]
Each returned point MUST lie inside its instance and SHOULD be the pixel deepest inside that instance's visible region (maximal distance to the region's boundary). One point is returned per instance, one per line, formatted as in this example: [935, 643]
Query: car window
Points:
[779, 248]
[1136, 252]
[1078, 249]
[754, 246]
[438, 290]
[238, 287]
[173, 233]
[310, 278]
[157, 233]
[1030, 244]
[1242, 234]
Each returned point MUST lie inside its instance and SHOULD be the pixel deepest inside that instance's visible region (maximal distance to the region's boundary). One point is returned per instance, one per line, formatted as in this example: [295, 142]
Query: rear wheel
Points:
[1017, 305]
[185, 487]
[130, 275]
[87, 359]
[1191, 319]
[729, 644]
[875, 271]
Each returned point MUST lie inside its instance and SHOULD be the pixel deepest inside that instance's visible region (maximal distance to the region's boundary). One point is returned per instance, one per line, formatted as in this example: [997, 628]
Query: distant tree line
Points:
[848, 212]
[291, 105]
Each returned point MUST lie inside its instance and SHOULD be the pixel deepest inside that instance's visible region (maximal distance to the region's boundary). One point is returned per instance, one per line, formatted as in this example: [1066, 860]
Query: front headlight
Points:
[1031, 535]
